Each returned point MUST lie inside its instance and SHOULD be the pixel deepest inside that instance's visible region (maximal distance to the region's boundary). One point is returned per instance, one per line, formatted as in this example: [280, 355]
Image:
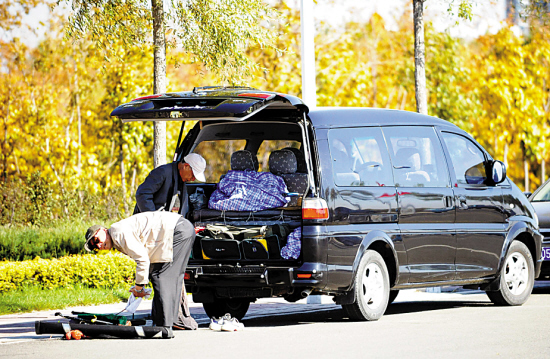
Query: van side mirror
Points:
[496, 172]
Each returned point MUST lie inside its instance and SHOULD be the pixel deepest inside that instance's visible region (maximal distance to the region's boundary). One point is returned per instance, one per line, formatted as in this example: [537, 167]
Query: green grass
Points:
[33, 298]
[60, 239]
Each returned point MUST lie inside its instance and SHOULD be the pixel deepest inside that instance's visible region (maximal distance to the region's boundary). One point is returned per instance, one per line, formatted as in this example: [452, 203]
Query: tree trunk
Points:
[123, 178]
[419, 58]
[159, 84]
[526, 171]
[133, 183]
[404, 100]
[505, 154]
[77, 105]
[5, 144]
[542, 171]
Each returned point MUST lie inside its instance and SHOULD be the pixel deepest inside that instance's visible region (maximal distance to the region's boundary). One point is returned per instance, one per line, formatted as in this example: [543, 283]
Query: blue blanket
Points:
[249, 191]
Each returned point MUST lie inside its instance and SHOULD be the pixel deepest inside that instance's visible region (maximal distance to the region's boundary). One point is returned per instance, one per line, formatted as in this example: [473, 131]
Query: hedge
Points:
[60, 239]
[102, 270]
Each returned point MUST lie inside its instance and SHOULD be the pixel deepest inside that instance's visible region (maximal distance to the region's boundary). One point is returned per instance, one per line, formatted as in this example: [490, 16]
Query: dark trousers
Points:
[167, 280]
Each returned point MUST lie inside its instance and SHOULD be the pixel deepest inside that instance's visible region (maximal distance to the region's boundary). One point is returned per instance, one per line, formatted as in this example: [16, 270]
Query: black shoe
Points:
[167, 333]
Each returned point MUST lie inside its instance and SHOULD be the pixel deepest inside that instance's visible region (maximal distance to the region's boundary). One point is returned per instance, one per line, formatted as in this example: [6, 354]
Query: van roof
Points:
[331, 117]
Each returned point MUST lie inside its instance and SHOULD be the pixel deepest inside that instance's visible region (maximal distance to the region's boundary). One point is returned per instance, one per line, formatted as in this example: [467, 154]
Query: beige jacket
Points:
[146, 238]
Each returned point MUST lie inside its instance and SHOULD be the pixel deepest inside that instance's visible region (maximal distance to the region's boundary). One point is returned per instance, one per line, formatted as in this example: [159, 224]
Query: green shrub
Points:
[23, 243]
[102, 270]
[34, 201]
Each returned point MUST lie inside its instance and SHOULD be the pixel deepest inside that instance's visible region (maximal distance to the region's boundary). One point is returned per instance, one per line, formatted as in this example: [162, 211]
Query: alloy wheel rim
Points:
[372, 285]
[516, 273]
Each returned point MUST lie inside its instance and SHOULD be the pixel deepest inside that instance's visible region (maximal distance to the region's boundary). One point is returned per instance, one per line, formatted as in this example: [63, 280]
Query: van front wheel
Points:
[372, 288]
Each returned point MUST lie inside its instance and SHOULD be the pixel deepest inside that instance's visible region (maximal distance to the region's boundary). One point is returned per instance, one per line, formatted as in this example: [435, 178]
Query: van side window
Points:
[417, 157]
[359, 157]
[468, 160]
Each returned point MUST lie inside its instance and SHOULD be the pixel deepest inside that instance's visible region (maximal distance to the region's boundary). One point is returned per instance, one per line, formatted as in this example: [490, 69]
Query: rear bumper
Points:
[253, 281]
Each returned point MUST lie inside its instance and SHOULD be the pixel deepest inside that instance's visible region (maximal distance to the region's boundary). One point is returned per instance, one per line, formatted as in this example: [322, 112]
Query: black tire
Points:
[237, 307]
[393, 295]
[517, 277]
[372, 288]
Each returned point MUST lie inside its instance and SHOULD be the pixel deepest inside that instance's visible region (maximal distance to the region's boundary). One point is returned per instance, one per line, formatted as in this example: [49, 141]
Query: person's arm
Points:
[146, 191]
[129, 244]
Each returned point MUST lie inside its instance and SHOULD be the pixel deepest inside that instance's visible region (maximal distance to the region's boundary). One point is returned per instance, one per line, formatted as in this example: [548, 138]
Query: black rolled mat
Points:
[92, 330]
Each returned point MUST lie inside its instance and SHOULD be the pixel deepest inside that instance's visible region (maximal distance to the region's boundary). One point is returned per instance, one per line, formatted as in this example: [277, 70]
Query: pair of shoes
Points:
[177, 327]
[226, 324]
[232, 325]
[216, 324]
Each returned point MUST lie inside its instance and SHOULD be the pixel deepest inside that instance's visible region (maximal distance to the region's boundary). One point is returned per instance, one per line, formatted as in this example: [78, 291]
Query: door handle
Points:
[448, 200]
[462, 202]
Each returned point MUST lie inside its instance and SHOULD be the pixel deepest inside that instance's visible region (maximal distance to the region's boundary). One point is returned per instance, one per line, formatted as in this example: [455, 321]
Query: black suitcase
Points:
[274, 245]
[255, 248]
[263, 248]
[220, 248]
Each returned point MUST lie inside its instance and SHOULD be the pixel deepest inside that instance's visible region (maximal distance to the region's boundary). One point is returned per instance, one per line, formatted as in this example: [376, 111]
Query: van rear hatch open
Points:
[206, 103]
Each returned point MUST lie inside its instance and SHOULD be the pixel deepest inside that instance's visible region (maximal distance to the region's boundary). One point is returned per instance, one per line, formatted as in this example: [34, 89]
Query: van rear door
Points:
[206, 103]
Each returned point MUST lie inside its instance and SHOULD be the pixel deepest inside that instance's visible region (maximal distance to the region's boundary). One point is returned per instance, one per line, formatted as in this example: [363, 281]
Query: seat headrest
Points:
[409, 157]
[300, 158]
[282, 162]
[244, 160]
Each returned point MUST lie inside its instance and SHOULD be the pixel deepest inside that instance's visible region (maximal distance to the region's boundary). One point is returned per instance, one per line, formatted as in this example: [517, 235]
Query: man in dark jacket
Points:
[160, 190]
[167, 182]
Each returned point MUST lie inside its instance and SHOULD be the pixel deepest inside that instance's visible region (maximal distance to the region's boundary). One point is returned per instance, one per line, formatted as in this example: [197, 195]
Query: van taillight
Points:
[314, 208]
[267, 96]
[148, 97]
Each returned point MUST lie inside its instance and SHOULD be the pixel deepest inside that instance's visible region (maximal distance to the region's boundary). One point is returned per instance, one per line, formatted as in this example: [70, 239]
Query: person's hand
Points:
[138, 291]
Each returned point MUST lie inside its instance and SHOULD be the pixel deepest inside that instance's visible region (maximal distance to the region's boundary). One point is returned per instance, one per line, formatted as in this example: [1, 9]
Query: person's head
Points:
[97, 237]
[192, 168]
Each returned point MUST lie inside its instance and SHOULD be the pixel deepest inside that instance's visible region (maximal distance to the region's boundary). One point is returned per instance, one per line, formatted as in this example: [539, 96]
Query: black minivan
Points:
[381, 200]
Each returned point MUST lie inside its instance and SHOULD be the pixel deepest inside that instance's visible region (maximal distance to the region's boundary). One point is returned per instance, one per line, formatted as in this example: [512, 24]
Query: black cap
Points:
[89, 235]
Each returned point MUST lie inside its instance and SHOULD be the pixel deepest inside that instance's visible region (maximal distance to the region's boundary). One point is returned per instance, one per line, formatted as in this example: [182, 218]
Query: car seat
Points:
[409, 168]
[300, 158]
[244, 160]
[283, 163]
[342, 168]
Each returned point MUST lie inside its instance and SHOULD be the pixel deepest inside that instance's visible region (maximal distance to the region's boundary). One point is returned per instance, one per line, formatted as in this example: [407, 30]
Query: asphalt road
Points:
[418, 325]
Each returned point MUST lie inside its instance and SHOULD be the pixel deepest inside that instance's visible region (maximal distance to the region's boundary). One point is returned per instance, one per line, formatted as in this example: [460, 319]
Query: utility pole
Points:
[309, 87]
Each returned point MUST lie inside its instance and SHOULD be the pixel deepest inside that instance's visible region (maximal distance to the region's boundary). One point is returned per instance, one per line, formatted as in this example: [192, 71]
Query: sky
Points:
[488, 16]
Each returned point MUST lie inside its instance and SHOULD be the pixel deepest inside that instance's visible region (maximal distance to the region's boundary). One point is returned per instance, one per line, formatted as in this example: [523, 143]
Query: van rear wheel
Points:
[517, 277]
[372, 288]
[237, 307]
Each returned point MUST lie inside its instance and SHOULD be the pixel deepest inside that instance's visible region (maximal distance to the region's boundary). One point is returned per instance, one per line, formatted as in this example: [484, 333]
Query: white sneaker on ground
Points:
[232, 325]
[216, 324]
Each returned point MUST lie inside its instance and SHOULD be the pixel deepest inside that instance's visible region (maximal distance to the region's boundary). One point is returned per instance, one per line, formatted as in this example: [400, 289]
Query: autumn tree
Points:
[464, 8]
[215, 33]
